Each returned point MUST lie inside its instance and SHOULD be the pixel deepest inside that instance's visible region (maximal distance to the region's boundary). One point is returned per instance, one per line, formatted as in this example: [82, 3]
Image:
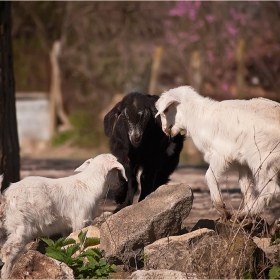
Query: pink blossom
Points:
[210, 56]
[231, 30]
[234, 14]
[210, 18]
[200, 23]
[186, 7]
[192, 13]
[193, 38]
[181, 47]
[229, 52]
[225, 86]
[182, 35]
[179, 9]
[197, 4]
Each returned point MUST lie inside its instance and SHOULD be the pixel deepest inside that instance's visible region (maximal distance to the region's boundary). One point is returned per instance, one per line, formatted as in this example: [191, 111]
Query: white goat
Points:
[38, 206]
[240, 133]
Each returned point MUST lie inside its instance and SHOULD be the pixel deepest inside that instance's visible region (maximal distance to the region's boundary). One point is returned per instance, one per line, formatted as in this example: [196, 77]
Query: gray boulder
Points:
[125, 234]
[159, 274]
[229, 254]
[272, 252]
[166, 252]
[98, 221]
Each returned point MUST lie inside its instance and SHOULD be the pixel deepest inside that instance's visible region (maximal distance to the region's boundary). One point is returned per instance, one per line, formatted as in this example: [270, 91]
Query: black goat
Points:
[137, 140]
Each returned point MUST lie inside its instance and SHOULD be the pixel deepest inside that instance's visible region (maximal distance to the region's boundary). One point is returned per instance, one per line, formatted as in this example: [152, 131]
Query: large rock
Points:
[98, 221]
[229, 254]
[272, 252]
[159, 274]
[125, 234]
[165, 252]
[34, 265]
[92, 231]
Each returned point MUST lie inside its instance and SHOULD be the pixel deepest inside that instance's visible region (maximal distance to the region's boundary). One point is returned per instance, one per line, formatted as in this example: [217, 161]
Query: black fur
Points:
[145, 148]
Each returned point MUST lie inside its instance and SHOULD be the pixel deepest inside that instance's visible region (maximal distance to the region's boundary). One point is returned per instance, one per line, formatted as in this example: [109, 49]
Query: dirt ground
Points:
[57, 163]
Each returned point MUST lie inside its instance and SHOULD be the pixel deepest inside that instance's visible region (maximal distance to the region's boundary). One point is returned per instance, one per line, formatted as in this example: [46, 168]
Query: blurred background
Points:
[74, 60]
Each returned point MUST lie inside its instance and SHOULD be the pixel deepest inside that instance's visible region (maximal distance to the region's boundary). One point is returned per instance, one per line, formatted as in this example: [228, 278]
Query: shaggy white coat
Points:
[38, 206]
[240, 133]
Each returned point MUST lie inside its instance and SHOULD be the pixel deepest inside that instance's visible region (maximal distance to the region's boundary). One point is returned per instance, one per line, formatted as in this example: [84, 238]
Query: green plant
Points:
[62, 137]
[247, 275]
[274, 272]
[86, 264]
[145, 258]
[275, 239]
[86, 131]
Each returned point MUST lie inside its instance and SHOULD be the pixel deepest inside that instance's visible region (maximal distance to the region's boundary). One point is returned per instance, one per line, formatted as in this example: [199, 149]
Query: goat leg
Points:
[131, 191]
[120, 194]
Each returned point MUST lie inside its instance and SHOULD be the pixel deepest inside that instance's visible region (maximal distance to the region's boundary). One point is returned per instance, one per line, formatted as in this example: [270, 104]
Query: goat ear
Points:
[152, 100]
[111, 118]
[119, 166]
[84, 165]
[164, 102]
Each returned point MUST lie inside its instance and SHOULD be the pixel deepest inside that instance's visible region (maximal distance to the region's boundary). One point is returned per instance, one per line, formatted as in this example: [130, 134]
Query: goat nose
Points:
[168, 130]
[137, 138]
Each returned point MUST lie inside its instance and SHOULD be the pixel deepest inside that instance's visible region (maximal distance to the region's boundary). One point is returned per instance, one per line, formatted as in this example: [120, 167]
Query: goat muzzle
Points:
[136, 140]
[168, 130]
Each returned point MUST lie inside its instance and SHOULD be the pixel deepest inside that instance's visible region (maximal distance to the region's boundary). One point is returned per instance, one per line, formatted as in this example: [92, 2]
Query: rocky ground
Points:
[151, 240]
[193, 176]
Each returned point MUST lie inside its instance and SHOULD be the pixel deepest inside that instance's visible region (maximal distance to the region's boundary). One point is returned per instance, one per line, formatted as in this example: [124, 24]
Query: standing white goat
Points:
[242, 133]
[38, 206]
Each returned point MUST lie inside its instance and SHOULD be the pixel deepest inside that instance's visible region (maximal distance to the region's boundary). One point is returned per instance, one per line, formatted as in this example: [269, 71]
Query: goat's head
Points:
[109, 167]
[135, 110]
[167, 109]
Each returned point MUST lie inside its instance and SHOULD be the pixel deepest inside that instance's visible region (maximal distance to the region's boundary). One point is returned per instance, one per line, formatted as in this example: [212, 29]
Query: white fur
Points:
[240, 133]
[38, 206]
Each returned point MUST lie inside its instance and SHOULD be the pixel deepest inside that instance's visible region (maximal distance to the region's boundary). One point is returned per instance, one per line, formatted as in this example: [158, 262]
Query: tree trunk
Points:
[9, 145]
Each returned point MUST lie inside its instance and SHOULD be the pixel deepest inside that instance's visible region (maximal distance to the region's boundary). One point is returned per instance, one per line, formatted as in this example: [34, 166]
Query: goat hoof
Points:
[253, 224]
[244, 220]
[226, 216]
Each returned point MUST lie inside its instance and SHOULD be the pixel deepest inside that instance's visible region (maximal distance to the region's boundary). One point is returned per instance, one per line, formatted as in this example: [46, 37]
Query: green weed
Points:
[86, 264]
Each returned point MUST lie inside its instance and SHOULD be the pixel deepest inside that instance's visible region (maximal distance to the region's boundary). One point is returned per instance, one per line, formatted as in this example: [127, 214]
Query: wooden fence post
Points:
[240, 68]
[155, 69]
[56, 104]
[195, 75]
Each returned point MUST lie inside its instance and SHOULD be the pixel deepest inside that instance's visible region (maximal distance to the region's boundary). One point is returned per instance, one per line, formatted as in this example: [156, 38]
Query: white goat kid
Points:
[38, 206]
[240, 133]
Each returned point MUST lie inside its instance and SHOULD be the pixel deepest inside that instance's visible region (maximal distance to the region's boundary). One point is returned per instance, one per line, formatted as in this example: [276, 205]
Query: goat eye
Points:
[125, 114]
